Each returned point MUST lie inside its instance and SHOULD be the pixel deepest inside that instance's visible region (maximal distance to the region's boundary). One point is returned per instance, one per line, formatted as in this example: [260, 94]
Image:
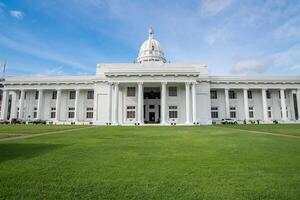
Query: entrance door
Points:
[151, 116]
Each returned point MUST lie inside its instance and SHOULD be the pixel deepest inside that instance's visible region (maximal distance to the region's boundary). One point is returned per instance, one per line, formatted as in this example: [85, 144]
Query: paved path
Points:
[264, 133]
[41, 134]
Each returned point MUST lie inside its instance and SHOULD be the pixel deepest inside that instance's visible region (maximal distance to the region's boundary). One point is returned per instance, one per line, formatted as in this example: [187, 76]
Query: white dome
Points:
[150, 50]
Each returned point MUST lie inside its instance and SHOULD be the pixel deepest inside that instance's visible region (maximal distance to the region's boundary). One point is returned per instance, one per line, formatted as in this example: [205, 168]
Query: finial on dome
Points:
[151, 33]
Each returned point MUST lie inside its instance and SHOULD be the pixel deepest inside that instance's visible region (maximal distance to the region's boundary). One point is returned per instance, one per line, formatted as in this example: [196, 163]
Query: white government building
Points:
[151, 91]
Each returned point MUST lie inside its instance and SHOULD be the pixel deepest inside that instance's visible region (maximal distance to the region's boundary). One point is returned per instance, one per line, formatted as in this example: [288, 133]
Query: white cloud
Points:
[40, 52]
[283, 61]
[248, 66]
[57, 71]
[17, 14]
[215, 6]
[295, 68]
[289, 29]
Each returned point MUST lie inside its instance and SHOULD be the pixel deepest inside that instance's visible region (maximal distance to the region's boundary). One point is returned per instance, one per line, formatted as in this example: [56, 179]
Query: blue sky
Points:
[69, 37]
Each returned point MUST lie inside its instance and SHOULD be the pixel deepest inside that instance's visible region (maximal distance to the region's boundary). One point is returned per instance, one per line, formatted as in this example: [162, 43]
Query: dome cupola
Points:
[150, 50]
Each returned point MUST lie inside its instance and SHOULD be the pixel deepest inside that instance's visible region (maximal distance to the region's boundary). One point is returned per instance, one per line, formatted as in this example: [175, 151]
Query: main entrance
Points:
[152, 105]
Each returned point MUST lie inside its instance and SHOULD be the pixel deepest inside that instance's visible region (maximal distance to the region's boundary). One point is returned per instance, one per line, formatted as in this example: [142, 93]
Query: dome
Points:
[150, 50]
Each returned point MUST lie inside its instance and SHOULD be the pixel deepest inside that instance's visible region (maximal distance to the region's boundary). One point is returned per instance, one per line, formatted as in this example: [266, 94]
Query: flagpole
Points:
[4, 68]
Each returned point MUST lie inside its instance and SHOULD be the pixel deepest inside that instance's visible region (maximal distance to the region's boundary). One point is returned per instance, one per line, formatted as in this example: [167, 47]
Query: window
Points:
[53, 113]
[249, 94]
[268, 94]
[151, 106]
[279, 94]
[130, 112]
[232, 94]
[37, 95]
[172, 91]
[131, 91]
[72, 95]
[287, 112]
[213, 94]
[71, 113]
[89, 112]
[214, 112]
[54, 94]
[285, 94]
[232, 112]
[35, 112]
[270, 112]
[173, 113]
[90, 94]
[251, 112]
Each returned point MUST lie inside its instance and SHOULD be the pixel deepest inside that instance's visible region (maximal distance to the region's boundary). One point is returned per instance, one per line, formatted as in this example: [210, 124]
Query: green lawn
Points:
[204, 162]
[287, 129]
[18, 130]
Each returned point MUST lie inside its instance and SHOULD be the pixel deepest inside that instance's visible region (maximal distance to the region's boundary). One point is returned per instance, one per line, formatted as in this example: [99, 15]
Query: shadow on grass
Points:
[13, 151]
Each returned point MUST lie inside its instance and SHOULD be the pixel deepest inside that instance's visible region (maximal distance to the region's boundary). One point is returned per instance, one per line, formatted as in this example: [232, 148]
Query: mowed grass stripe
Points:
[26, 136]
[259, 132]
[286, 129]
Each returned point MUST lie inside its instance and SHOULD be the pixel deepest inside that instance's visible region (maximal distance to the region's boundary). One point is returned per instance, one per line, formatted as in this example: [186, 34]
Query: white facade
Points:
[151, 91]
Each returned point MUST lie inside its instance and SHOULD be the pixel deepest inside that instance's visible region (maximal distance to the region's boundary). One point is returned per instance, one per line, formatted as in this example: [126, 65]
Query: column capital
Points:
[194, 82]
[140, 83]
[245, 89]
[188, 83]
[164, 83]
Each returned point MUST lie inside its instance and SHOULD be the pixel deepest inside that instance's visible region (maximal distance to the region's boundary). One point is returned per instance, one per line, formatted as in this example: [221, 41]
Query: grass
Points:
[286, 129]
[18, 130]
[205, 162]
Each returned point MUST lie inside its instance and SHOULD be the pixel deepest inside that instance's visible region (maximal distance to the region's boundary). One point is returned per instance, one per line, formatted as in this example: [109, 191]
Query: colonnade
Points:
[40, 104]
[264, 103]
[113, 101]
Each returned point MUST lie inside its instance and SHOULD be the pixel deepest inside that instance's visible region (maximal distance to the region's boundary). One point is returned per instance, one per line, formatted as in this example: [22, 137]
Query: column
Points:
[264, 104]
[298, 103]
[21, 104]
[116, 104]
[13, 105]
[246, 106]
[76, 117]
[140, 103]
[227, 111]
[4, 106]
[110, 90]
[95, 106]
[194, 109]
[58, 101]
[163, 102]
[40, 104]
[187, 102]
[283, 105]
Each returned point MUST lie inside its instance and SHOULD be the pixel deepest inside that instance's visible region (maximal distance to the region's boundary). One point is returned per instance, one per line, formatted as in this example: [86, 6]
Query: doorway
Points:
[151, 117]
[151, 104]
